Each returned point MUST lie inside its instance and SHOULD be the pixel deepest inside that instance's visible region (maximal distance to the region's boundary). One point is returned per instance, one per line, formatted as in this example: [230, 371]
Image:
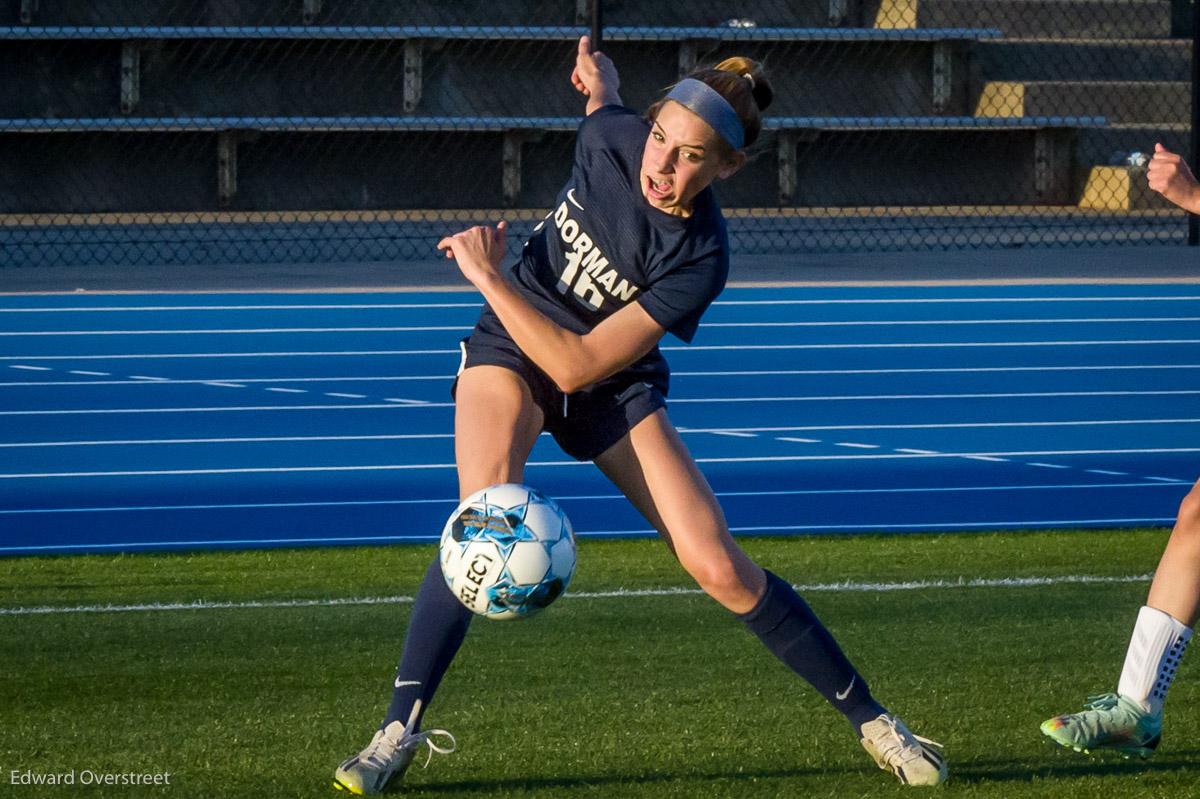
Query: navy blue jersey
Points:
[604, 246]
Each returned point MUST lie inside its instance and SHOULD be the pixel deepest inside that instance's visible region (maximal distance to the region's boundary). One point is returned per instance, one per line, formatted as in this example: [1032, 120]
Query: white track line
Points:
[727, 302]
[709, 325]
[925, 345]
[692, 348]
[449, 502]
[938, 370]
[904, 454]
[941, 322]
[841, 587]
[679, 401]
[948, 300]
[133, 380]
[244, 440]
[249, 331]
[996, 395]
[161, 355]
[337, 307]
[931, 426]
[232, 408]
[746, 432]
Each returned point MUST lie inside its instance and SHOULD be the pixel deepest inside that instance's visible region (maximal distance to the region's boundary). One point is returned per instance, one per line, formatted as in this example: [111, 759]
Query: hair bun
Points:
[762, 92]
[752, 71]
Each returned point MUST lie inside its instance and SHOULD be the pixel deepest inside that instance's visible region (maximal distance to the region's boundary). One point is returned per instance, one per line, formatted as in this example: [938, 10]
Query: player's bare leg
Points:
[496, 425]
[653, 468]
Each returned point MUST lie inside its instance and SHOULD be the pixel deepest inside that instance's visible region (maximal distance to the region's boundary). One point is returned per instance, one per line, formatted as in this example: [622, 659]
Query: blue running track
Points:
[131, 422]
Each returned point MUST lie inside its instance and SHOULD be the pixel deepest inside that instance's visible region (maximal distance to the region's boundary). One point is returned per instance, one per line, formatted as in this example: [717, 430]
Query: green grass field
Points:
[261, 691]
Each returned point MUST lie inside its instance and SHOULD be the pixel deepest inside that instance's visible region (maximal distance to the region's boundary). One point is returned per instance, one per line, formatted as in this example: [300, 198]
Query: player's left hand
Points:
[478, 250]
[594, 75]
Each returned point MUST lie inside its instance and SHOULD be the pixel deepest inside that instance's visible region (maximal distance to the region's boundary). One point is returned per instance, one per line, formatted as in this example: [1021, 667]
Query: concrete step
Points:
[1083, 59]
[763, 13]
[139, 165]
[379, 76]
[1120, 188]
[1118, 101]
[1098, 19]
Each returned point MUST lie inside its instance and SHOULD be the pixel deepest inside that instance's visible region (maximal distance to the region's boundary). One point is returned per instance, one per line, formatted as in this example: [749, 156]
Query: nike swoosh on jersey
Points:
[574, 202]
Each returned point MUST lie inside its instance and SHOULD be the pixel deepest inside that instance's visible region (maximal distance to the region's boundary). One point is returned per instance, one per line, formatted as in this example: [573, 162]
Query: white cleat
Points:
[387, 757]
[899, 751]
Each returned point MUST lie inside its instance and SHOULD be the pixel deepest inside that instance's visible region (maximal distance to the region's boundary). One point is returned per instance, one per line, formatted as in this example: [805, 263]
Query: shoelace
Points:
[383, 750]
[898, 745]
[424, 738]
[1102, 701]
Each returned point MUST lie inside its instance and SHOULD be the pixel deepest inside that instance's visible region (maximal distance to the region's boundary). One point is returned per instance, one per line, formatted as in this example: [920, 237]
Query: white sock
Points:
[1154, 653]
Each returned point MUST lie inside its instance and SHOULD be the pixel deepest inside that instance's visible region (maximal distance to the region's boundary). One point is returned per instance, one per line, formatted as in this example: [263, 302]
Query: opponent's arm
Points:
[595, 77]
[572, 361]
[1168, 174]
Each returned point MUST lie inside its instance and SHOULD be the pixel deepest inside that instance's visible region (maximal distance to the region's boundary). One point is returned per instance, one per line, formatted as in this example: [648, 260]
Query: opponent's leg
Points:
[1130, 720]
[653, 468]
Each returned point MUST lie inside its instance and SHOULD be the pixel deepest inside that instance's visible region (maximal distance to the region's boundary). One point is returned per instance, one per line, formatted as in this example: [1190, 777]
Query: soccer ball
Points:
[507, 551]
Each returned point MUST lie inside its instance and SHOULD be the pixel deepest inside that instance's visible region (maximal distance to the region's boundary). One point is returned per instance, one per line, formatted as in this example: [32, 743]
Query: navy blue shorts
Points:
[586, 423]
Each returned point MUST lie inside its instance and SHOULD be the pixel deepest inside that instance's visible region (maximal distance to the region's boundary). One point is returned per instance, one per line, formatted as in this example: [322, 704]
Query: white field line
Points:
[842, 587]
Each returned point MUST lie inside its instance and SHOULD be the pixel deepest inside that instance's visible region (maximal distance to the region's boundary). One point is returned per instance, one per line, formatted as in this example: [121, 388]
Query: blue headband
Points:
[708, 104]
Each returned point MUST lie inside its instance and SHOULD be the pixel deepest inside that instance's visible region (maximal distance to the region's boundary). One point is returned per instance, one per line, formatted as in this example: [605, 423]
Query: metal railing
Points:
[214, 131]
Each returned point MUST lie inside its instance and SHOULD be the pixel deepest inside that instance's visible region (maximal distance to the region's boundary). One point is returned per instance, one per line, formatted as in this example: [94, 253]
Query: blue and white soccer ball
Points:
[508, 551]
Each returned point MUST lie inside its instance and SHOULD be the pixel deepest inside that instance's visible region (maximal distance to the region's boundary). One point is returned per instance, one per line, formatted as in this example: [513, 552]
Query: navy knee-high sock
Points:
[435, 632]
[793, 633]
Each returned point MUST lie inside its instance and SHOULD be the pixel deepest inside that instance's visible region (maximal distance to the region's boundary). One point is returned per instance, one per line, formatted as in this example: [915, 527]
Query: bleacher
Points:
[276, 106]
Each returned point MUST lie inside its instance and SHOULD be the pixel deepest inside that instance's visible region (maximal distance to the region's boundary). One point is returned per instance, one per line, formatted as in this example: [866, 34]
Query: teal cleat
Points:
[1112, 722]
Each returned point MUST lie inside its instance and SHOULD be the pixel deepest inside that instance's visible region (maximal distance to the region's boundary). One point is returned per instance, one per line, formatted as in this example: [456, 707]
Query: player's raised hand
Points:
[595, 76]
[478, 250]
[1169, 175]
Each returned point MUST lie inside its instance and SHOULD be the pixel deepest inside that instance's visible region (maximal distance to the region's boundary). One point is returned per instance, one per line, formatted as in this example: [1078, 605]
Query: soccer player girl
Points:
[568, 343]
[1130, 720]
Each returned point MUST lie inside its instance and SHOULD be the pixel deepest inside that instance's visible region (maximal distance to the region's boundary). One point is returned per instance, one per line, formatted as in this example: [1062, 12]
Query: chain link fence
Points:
[326, 131]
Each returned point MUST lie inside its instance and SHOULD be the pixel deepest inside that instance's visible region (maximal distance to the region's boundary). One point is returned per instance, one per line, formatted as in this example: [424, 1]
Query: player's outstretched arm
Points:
[572, 361]
[1169, 175]
[595, 76]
